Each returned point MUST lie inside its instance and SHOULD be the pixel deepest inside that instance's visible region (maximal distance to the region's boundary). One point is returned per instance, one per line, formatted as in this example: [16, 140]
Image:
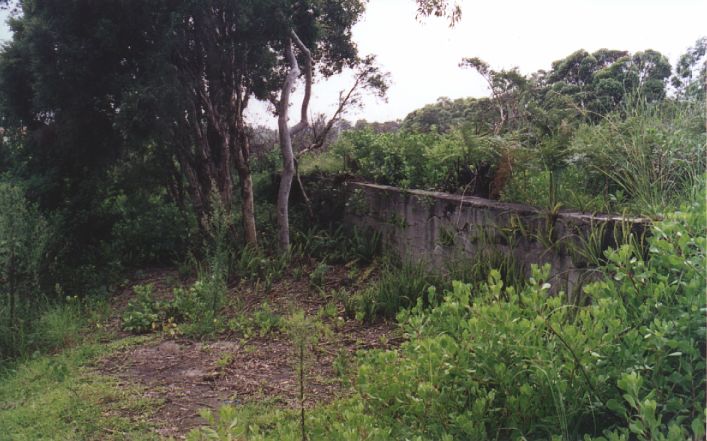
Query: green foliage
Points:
[398, 286]
[458, 161]
[23, 239]
[148, 230]
[532, 186]
[653, 155]
[194, 310]
[339, 245]
[260, 322]
[318, 275]
[143, 314]
[223, 427]
[506, 363]
[527, 362]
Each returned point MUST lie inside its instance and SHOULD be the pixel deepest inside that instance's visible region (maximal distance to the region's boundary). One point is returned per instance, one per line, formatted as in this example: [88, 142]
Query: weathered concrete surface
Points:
[441, 227]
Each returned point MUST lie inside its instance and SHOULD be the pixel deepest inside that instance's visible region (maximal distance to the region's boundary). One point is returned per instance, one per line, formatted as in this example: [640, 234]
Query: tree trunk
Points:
[288, 157]
[288, 172]
[248, 208]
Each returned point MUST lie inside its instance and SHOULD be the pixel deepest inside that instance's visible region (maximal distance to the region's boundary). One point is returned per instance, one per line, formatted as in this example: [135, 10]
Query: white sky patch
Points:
[423, 58]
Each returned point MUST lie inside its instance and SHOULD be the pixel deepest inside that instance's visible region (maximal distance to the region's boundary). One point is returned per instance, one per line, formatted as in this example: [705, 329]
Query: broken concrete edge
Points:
[477, 202]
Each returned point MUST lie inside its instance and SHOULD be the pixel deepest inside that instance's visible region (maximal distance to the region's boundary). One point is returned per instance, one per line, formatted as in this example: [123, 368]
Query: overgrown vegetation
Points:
[643, 157]
[125, 147]
[501, 363]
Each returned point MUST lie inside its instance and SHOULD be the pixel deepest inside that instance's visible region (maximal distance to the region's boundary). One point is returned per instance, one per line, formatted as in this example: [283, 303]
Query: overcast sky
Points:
[423, 58]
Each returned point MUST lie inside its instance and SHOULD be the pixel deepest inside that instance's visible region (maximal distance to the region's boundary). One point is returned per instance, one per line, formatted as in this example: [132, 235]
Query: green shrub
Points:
[398, 286]
[148, 229]
[507, 363]
[23, 238]
[195, 310]
[261, 322]
[318, 275]
[459, 161]
[144, 313]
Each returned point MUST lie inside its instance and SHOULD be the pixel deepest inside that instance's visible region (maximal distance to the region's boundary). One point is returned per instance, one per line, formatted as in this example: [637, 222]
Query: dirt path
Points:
[187, 375]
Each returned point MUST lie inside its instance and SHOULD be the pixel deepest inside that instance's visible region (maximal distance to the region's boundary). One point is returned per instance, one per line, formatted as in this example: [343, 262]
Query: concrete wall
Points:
[440, 228]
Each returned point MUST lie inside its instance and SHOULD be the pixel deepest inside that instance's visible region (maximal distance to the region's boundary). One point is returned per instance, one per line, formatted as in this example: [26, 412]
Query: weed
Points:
[224, 361]
[303, 334]
[55, 397]
[317, 277]
[446, 236]
[143, 314]
[398, 221]
[261, 322]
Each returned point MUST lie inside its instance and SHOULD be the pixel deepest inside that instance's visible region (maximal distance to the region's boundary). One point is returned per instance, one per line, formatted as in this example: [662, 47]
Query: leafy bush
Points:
[195, 310]
[399, 286]
[460, 161]
[148, 229]
[198, 307]
[261, 322]
[144, 314]
[526, 364]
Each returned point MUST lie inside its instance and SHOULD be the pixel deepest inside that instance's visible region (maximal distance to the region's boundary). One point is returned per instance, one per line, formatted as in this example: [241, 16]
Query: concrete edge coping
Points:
[475, 201]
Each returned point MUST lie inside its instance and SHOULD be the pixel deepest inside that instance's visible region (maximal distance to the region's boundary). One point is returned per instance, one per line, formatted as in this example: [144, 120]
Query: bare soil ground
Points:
[186, 375]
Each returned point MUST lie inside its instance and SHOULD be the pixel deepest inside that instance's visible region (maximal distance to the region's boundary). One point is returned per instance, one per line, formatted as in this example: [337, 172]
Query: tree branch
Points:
[304, 121]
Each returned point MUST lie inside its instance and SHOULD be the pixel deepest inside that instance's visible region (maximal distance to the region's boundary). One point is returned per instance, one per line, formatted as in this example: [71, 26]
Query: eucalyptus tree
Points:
[690, 78]
[318, 38]
[506, 86]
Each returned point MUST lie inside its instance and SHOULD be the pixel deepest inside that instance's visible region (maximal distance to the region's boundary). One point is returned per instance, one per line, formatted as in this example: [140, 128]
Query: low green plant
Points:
[222, 427]
[224, 361]
[192, 311]
[339, 245]
[447, 237]
[318, 276]
[398, 286]
[196, 309]
[260, 322]
[266, 320]
[60, 325]
[144, 313]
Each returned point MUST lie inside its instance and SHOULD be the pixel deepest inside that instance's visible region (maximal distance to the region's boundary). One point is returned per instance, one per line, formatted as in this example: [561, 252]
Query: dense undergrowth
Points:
[644, 158]
[504, 363]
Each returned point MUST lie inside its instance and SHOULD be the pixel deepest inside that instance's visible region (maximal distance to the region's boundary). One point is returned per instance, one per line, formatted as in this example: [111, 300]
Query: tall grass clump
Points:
[650, 155]
[24, 235]
[399, 286]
